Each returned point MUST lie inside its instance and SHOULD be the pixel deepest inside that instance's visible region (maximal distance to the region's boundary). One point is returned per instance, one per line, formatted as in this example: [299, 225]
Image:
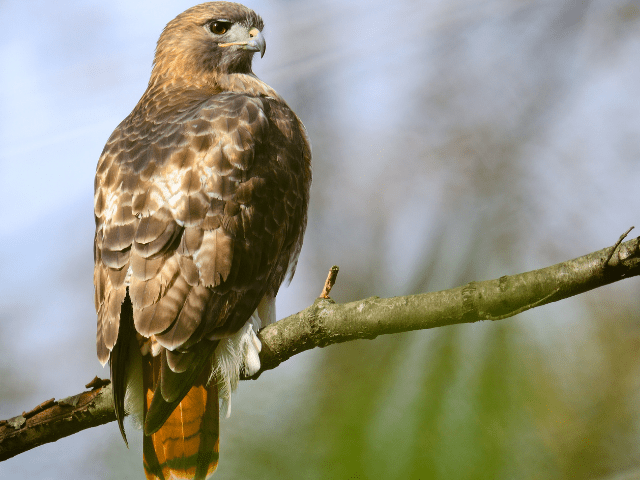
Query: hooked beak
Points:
[256, 44]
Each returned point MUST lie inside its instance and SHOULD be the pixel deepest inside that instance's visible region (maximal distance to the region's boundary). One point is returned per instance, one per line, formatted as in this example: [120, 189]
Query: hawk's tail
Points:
[186, 446]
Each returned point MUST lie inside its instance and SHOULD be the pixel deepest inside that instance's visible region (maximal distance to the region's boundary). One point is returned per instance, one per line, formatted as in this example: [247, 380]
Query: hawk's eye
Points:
[219, 27]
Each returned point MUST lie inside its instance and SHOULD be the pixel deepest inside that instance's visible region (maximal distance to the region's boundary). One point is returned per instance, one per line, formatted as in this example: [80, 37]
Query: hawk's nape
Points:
[201, 198]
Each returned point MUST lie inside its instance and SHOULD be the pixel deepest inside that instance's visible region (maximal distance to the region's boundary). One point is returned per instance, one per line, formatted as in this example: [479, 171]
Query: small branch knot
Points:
[330, 281]
[613, 249]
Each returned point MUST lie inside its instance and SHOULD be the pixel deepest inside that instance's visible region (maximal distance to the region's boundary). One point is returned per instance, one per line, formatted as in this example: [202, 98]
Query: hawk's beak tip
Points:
[257, 43]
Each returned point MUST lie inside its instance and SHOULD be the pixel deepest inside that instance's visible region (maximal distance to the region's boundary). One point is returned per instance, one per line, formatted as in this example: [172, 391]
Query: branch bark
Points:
[326, 322]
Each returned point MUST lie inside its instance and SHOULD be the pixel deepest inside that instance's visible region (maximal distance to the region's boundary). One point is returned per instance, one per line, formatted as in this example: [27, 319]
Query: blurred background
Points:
[453, 140]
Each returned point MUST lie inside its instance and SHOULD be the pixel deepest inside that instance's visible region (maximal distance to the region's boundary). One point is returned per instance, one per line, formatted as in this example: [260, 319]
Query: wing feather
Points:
[214, 257]
[191, 241]
[145, 293]
[111, 316]
[161, 315]
[146, 268]
[154, 227]
[188, 320]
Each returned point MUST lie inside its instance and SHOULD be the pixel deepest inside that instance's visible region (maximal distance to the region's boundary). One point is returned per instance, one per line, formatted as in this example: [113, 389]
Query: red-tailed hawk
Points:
[201, 198]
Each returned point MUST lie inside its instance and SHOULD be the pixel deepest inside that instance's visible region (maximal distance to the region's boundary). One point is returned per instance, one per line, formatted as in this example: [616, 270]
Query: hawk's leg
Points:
[248, 345]
[239, 353]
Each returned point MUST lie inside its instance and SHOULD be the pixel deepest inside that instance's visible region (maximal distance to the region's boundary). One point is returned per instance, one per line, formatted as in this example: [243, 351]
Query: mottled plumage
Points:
[201, 198]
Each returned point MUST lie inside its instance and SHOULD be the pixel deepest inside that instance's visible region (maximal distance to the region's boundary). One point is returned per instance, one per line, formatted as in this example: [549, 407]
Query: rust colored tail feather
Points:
[186, 446]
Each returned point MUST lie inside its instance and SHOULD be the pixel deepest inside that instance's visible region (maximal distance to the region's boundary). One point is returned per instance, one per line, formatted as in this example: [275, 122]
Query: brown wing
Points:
[200, 207]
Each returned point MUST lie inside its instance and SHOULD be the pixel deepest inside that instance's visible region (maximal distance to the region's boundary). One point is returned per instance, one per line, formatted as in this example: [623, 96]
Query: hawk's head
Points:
[211, 38]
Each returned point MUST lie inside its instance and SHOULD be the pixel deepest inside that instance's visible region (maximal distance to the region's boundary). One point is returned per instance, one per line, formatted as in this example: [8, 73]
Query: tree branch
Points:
[51, 420]
[326, 322]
